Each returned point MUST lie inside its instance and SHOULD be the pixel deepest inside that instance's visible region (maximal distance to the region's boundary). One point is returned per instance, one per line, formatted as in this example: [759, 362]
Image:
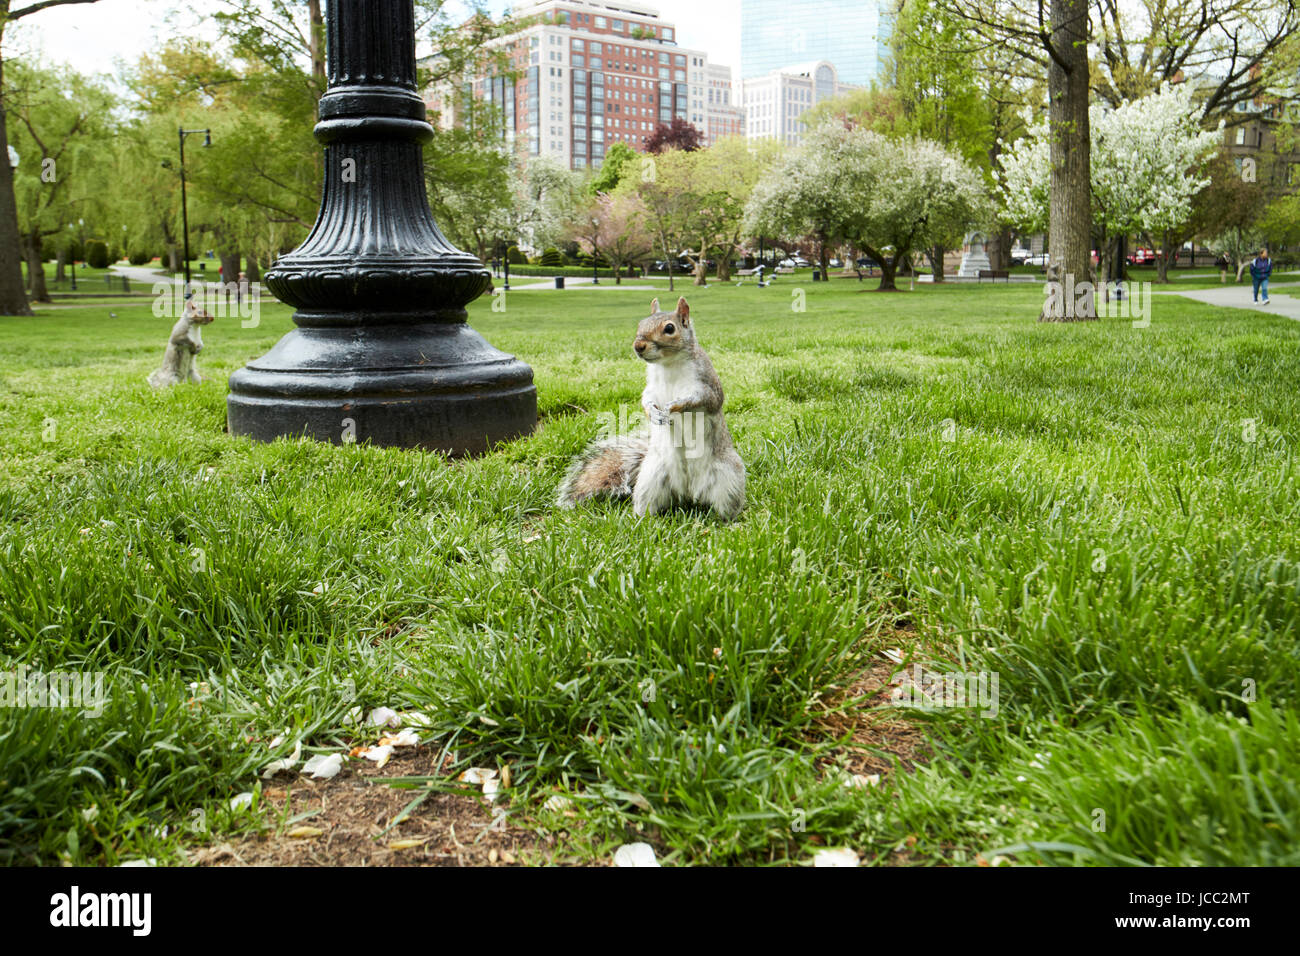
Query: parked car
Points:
[1141, 257]
[1038, 259]
[864, 263]
[801, 262]
[786, 264]
[836, 264]
[1018, 255]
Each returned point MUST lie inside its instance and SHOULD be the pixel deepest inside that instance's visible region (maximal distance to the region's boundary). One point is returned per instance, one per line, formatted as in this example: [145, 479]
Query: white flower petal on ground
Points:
[405, 738]
[149, 862]
[414, 718]
[380, 755]
[477, 776]
[384, 717]
[557, 803]
[241, 801]
[275, 766]
[323, 766]
[837, 857]
[635, 854]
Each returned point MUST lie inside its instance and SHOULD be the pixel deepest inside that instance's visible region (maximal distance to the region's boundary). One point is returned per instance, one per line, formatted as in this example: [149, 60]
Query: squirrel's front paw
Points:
[656, 414]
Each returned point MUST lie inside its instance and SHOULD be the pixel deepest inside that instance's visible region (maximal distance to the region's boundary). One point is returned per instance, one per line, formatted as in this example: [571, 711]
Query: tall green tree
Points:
[61, 117]
[13, 300]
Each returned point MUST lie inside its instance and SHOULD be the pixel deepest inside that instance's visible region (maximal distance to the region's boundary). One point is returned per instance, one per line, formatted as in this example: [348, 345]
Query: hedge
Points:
[567, 271]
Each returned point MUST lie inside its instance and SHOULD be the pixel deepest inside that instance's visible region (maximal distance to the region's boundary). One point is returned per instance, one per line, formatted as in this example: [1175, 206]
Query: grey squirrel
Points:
[183, 345]
[687, 456]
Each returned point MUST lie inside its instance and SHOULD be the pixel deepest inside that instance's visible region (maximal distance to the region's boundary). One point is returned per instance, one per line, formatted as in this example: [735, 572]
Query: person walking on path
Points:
[1261, 267]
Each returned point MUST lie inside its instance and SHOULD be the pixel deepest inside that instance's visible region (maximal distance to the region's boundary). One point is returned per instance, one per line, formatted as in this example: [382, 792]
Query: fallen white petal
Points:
[405, 738]
[379, 755]
[841, 857]
[384, 717]
[635, 854]
[323, 766]
[287, 763]
[241, 801]
[477, 776]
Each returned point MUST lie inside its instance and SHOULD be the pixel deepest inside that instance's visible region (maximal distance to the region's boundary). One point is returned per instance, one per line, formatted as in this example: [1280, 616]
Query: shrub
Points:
[96, 254]
[551, 257]
[516, 257]
[139, 258]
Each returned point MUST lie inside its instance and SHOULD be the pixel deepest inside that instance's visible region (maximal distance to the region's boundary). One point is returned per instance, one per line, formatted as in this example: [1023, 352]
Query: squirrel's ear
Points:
[654, 306]
[683, 311]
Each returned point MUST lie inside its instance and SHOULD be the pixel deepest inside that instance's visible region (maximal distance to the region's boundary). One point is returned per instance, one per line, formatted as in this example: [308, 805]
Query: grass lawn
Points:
[1105, 518]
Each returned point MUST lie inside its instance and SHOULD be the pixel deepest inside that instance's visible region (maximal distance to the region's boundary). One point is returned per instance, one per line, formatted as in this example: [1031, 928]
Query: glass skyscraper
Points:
[851, 34]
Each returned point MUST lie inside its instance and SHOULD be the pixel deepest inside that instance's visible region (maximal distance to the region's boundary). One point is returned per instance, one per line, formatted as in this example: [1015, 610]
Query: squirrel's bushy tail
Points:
[608, 467]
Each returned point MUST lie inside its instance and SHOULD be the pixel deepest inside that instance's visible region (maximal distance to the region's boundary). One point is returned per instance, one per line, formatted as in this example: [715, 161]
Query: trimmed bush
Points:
[96, 254]
[580, 271]
[552, 257]
[516, 257]
[139, 258]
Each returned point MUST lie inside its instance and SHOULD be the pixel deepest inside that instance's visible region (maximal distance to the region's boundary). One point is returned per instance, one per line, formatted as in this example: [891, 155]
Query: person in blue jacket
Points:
[1261, 267]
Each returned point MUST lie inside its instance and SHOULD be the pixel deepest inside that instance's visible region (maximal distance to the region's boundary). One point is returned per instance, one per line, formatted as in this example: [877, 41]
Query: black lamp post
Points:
[382, 352]
[595, 272]
[185, 213]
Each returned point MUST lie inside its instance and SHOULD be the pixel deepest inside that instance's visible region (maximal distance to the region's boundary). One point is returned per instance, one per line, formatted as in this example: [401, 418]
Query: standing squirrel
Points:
[183, 345]
[687, 457]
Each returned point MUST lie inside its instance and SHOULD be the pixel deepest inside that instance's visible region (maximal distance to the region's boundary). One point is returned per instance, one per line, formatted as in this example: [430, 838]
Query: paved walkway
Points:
[1238, 297]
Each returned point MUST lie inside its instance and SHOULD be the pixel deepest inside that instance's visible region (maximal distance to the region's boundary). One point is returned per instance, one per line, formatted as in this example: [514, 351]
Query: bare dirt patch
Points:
[354, 815]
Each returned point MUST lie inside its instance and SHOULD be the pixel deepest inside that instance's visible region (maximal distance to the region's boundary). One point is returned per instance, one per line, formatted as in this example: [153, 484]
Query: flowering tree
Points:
[614, 226]
[1146, 161]
[887, 197]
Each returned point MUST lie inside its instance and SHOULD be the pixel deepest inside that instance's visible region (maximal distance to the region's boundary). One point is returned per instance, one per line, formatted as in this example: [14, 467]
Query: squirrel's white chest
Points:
[680, 449]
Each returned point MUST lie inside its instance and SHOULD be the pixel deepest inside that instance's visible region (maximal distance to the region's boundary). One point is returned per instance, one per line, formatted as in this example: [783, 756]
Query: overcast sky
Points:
[93, 37]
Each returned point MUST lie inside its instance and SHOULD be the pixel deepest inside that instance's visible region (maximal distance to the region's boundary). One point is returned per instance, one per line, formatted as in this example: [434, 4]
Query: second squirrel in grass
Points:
[687, 457]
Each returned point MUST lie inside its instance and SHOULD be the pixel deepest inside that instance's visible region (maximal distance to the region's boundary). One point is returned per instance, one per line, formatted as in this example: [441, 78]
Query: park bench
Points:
[993, 274]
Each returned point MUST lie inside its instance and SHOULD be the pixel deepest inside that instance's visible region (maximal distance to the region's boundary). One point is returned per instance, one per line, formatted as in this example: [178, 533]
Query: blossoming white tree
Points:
[1147, 161]
[888, 197]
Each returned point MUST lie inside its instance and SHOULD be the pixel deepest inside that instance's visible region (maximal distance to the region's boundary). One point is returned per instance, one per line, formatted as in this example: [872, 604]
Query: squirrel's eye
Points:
[669, 329]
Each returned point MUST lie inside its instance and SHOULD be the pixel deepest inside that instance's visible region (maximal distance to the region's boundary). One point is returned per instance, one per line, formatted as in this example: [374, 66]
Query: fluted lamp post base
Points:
[382, 353]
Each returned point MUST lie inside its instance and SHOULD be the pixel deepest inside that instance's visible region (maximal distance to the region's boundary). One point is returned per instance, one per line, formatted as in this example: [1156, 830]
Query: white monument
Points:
[973, 257]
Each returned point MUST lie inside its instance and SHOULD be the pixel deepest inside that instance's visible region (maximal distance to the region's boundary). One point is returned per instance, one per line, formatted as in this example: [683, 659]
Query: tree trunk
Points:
[1070, 226]
[724, 267]
[254, 273]
[701, 270]
[60, 265]
[1001, 257]
[35, 271]
[936, 255]
[823, 259]
[230, 266]
[13, 298]
[173, 258]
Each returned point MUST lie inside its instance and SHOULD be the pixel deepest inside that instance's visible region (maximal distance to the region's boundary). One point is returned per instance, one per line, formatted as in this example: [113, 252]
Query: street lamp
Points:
[185, 215]
[383, 352]
[79, 234]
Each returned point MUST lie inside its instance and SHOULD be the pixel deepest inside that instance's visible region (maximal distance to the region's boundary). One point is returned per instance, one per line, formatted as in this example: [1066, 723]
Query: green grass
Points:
[1072, 507]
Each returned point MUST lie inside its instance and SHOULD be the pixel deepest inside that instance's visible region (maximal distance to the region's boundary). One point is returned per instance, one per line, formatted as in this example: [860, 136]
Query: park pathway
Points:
[1238, 297]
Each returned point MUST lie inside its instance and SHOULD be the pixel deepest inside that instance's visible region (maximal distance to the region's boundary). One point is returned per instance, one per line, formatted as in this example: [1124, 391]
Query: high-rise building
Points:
[775, 102]
[723, 112]
[850, 34]
[591, 73]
